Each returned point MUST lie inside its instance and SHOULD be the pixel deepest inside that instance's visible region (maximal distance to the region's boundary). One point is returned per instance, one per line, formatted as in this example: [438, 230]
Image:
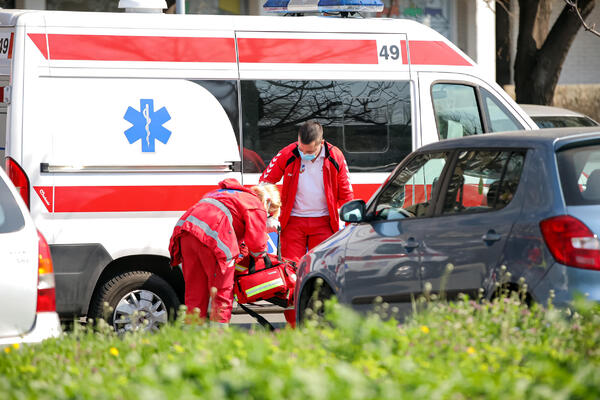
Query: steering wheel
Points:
[406, 213]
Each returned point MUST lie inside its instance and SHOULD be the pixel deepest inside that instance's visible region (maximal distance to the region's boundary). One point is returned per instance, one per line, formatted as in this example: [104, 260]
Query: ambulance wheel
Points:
[137, 300]
[312, 302]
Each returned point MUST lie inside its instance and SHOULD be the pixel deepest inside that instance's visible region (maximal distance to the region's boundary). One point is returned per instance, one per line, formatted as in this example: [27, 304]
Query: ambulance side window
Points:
[499, 118]
[370, 121]
[226, 93]
[456, 110]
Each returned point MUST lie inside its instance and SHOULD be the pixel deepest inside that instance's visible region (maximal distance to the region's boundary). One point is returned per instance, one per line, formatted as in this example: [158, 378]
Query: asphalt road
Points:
[247, 322]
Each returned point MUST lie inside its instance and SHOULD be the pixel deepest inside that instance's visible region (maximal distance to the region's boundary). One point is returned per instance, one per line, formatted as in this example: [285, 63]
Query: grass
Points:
[462, 350]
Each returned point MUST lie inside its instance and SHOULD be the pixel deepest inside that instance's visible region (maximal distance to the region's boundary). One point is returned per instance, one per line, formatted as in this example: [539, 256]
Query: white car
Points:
[556, 117]
[27, 294]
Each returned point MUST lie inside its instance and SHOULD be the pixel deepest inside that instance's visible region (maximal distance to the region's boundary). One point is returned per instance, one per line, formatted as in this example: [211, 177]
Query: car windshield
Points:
[11, 218]
[579, 170]
[562, 122]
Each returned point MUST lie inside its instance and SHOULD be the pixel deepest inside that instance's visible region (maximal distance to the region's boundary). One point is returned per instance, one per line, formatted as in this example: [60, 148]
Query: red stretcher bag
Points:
[268, 279]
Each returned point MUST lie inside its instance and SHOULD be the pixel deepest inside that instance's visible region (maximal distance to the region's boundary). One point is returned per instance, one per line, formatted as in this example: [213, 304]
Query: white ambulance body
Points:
[118, 122]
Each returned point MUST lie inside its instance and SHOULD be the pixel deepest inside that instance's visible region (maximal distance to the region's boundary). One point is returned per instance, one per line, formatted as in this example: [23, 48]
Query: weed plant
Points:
[462, 350]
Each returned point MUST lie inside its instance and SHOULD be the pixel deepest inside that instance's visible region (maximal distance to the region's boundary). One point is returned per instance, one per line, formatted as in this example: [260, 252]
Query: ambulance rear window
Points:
[370, 121]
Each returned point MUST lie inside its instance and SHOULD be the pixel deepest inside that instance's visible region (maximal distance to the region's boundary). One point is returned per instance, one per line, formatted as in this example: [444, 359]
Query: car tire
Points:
[314, 300]
[136, 300]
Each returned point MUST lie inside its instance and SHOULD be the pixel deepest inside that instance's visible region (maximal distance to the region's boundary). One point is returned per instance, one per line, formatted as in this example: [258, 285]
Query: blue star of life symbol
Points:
[147, 125]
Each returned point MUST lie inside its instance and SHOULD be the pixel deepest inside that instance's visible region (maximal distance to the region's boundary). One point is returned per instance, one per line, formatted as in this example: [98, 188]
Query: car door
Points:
[456, 105]
[18, 264]
[383, 255]
[463, 242]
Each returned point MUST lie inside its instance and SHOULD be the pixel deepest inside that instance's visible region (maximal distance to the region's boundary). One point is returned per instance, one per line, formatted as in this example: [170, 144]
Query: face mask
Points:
[307, 157]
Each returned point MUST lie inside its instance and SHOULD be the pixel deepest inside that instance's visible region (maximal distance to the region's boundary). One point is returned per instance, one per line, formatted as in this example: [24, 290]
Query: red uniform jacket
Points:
[222, 220]
[335, 179]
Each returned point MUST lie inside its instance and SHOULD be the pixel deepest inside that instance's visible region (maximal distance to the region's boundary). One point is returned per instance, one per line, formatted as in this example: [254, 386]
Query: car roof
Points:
[553, 138]
[536, 110]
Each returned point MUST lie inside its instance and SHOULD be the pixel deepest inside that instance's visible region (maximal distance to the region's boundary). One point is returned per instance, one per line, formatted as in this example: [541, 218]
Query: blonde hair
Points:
[269, 192]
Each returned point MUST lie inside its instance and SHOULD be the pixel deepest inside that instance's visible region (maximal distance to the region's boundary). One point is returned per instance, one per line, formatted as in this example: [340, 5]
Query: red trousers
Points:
[202, 275]
[302, 234]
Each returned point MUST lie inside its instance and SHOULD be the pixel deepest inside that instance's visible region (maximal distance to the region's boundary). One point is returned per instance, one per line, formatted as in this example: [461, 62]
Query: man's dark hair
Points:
[310, 131]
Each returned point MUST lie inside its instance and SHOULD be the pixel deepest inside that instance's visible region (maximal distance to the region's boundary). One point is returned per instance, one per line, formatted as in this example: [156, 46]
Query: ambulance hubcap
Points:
[140, 310]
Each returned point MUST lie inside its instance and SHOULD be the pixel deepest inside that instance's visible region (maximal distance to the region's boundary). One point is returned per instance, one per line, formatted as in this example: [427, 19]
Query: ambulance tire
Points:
[136, 300]
[313, 307]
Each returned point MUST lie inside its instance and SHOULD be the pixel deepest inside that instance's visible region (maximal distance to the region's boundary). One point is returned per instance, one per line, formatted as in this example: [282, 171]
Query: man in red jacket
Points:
[207, 238]
[315, 184]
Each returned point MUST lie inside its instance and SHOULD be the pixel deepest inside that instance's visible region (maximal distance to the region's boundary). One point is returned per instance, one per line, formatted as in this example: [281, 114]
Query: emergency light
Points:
[320, 6]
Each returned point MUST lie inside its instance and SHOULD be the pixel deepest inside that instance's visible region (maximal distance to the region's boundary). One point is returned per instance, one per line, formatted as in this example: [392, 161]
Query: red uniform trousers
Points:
[299, 235]
[201, 273]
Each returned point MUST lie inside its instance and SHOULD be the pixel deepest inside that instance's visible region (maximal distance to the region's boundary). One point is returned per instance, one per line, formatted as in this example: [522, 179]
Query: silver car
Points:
[556, 117]
[27, 294]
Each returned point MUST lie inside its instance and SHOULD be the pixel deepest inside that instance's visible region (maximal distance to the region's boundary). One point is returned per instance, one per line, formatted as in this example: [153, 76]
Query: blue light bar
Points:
[321, 6]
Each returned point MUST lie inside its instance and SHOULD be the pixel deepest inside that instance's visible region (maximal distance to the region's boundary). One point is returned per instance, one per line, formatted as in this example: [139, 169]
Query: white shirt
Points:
[310, 196]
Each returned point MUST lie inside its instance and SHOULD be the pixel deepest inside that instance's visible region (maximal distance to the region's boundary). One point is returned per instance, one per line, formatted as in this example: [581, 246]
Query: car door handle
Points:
[491, 236]
[411, 243]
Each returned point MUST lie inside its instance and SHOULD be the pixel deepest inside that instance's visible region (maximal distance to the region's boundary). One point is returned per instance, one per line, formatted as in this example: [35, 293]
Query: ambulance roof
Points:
[273, 23]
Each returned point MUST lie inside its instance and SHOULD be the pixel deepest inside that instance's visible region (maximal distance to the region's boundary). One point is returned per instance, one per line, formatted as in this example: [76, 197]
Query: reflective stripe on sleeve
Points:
[261, 253]
[220, 206]
[263, 287]
[213, 234]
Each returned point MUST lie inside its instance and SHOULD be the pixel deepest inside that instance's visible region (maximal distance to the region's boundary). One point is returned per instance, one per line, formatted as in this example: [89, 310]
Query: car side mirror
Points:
[353, 211]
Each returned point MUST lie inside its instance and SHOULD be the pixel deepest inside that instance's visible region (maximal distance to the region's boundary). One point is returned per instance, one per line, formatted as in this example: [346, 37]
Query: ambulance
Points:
[116, 123]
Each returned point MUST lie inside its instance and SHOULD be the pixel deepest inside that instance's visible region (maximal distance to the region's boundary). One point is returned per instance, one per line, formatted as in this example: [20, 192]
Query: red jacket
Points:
[222, 220]
[338, 189]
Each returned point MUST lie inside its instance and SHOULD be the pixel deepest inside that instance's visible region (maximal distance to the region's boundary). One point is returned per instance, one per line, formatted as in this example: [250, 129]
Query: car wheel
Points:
[137, 300]
[312, 306]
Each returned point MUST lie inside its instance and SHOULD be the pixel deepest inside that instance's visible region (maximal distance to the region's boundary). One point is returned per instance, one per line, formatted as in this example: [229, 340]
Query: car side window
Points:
[409, 193]
[498, 116]
[483, 180]
[456, 110]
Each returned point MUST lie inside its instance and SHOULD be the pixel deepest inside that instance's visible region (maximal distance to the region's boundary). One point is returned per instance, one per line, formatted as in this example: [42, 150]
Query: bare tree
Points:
[539, 62]
[592, 29]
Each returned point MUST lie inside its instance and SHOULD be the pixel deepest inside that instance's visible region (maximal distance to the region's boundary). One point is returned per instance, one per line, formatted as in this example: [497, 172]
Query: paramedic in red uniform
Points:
[315, 184]
[207, 239]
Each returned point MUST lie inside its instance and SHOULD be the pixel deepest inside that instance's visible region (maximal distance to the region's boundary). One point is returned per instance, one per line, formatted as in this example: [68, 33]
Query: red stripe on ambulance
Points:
[428, 52]
[135, 48]
[307, 51]
[127, 198]
[137, 198]
[10, 46]
[251, 50]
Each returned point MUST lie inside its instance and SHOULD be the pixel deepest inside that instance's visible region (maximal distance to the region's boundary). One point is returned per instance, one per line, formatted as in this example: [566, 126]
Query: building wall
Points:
[582, 65]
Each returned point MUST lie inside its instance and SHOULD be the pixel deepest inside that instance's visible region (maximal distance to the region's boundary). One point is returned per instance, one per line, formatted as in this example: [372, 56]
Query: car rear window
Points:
[579, 170]
[11, 218]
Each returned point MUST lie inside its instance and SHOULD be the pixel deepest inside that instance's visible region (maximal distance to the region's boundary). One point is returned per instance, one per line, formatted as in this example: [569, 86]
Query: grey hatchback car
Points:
[529, 201]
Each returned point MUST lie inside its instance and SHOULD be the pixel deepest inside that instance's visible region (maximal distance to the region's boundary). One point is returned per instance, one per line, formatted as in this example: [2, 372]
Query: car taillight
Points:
[571, 242]
[19, 178]
[46, 295]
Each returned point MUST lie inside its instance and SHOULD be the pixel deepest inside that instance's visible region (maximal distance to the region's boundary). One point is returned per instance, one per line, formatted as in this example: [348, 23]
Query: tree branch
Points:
[592, 29]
